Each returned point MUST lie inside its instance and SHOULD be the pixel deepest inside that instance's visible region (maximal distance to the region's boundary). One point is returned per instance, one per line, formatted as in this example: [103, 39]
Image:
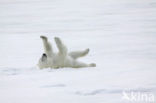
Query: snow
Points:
[121, 36]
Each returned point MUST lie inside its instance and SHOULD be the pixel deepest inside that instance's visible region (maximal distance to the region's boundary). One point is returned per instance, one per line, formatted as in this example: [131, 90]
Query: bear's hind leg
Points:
[78, 64]
[77, 54]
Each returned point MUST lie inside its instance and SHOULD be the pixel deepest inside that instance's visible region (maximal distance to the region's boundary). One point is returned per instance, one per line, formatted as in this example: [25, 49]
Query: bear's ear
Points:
[43, 37]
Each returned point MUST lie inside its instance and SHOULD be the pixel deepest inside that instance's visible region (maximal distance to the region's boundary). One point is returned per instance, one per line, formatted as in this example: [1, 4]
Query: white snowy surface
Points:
[121, 35]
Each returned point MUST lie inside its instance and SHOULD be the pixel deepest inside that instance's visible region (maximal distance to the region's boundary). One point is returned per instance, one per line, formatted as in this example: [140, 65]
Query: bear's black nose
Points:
[44, 55]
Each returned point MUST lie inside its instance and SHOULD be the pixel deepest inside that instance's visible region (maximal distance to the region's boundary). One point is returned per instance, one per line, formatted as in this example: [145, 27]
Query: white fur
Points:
[62, 58]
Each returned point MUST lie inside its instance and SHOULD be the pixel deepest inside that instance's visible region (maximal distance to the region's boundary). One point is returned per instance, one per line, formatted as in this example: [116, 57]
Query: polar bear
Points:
[61, 59]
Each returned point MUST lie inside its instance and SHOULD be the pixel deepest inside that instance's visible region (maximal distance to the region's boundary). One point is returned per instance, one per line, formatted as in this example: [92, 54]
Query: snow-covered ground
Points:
[121, 35]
